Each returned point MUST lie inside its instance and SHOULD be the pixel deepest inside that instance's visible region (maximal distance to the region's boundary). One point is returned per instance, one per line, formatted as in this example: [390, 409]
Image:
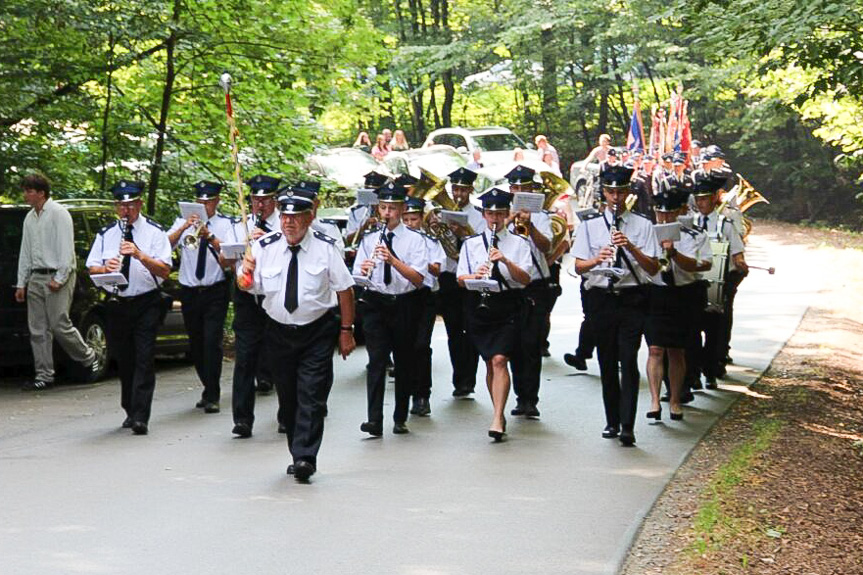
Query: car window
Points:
[347, 166]
[81, 234]
[457, 141]
[440, 163]
[396, 165]
[441, 139]
[499, 142]
[11, 227]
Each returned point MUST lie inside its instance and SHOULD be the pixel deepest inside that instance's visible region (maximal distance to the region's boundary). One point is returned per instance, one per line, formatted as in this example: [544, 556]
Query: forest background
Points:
[92, 91]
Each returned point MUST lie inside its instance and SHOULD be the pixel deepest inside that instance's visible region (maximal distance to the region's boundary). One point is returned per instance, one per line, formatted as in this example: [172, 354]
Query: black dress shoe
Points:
[461, 392]
[711, 383]
[498, 436]
[303, 470]
[202, 403]
[677, 416]
[211, 407]
[695, 385]
[575, 361]
[531, 410]
[399, 428]
[657, 415]
[627, 438]
[374, 429]
[687, 398]
[421, 407]
[721, 371]
[242, 430]
[664, 398]
[546, 352]
[519, 409]
[264, 387]
[611, 431]
[282, 428]
[290, 470]
[127, 423]
[139, 428]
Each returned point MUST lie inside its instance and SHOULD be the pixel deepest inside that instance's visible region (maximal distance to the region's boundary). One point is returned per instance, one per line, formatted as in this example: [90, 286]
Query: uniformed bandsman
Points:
[204, 288]
[718, 226]
[394, 259]
[413, 219]
[527, 361]
[137, 247]
[619, 250]
[302, 278]
[494, 318]
[463, 356]
[249, 317]
[310, 189]
[673, 297]
[360, 217]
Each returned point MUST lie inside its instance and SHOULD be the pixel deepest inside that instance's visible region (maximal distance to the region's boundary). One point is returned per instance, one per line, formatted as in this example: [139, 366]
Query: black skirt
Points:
[669, 317]
[493, 330]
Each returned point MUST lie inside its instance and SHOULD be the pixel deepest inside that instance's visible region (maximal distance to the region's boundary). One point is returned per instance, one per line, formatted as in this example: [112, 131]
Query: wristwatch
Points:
[347, 328]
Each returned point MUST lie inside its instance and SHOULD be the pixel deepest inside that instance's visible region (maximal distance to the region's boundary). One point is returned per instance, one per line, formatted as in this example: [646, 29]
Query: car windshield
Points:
[499, 142]
[440, 163]
[348, 165]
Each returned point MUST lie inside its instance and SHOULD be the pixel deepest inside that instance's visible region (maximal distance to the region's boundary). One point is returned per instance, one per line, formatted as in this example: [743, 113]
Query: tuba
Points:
[747, 195]
[553, 187]
[440, 231]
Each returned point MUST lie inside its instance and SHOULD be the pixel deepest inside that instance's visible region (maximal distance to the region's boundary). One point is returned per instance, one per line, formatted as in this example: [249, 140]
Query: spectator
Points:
[46, 280]
[363, 142]
[518, 155]
[548, 158]
[399, 143]
[476, 163]
[381, 148]
[598, 153]
[544, 147]
[388, 135]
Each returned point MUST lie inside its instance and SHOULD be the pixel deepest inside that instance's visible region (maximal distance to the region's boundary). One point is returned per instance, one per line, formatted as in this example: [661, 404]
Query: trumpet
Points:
[193, 240]
[520, 226]
[664, 261]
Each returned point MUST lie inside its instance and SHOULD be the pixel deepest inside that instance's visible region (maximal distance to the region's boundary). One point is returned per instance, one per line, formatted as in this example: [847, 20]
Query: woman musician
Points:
[493, 317]
[673, 298]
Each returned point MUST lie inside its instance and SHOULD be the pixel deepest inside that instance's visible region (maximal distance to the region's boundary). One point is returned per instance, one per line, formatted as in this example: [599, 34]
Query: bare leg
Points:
[655, 372]
[676, 372]
[499, 390]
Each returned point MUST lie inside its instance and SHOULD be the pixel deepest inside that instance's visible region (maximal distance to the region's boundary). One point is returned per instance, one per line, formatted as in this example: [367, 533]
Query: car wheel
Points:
[93, 332]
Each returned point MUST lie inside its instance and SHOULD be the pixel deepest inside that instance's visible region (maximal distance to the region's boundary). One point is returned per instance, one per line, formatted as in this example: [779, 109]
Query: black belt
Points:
[386, 298]
[134, 298]
[44, 271]
[328, 316]
[199, 289]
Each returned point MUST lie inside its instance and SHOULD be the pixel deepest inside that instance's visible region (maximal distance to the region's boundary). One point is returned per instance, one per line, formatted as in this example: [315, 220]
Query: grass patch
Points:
[712, 525]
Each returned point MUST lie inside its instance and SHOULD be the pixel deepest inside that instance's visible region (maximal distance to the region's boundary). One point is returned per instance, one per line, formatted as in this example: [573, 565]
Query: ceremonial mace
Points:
[225, 82]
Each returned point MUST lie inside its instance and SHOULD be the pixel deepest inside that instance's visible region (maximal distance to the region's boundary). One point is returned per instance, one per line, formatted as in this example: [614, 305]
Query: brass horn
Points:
[747, 195]
[553, 187]
[433, 226]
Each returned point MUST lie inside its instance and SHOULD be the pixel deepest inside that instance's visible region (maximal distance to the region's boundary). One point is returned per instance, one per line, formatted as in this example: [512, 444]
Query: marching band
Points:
[660, 254]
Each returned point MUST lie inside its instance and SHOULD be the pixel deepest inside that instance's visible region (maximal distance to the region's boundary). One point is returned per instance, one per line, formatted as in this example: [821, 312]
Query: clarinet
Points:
[381, 241]
[127, 259]
[484, 294]
[259, 220]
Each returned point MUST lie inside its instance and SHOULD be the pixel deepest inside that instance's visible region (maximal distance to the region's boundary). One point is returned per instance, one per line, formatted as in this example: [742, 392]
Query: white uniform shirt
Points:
[356, 217]
[332, 231]
[593, 234]
[321, 273]
[692, 244]
[150, 238]
[436, 255]
[542, 222]
[47, 241]
[729, 233]
[474, 253]
[220, 226]
[408, 245]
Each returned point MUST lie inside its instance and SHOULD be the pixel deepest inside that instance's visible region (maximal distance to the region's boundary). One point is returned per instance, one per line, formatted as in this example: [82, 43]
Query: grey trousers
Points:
[48, 318]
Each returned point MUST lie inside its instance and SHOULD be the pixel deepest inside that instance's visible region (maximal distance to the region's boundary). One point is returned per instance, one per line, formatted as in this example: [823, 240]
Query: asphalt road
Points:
[80, 495]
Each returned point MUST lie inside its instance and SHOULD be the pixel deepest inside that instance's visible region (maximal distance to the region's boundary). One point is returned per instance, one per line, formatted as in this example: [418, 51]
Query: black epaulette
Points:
[428, 236]
[356, 207]
[324, 237]
[414, 231]
[154, 223]
[270, 238]
[689, 231]
[473, 236]
[109, 226]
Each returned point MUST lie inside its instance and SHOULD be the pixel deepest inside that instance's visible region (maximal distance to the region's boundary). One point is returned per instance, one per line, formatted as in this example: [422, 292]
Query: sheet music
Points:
[187, 209]
[527, 201]
[666, 232]
[482, 285]
[366, 197]
[453, 217]
[363, 281]
[109, 279]
[233, 251]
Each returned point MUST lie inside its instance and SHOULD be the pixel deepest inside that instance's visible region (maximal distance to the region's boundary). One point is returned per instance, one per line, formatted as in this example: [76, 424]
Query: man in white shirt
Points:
[302, 278]
[46, 280]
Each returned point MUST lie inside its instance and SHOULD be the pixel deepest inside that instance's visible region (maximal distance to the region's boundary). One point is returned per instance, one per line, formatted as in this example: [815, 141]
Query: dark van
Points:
[88, 302]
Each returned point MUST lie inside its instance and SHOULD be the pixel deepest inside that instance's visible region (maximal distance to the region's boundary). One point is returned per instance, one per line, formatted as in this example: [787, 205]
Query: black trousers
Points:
[527, 361]
[619, 320]
[732, 282]
[586, 340]
[204, 311]
[462, 354]
[390, 324]
[250, 321]
[693, 341]
[427, 313]
[555, 291]
[132, 324]
[303, 356]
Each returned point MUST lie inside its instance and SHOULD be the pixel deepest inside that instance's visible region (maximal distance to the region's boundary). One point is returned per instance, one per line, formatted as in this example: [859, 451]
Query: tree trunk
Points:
[433, 104]
[419, 128]
[652, 83]
[620, 82]
[448, 99]
[167, 92]
[103, 179]
[549, 77]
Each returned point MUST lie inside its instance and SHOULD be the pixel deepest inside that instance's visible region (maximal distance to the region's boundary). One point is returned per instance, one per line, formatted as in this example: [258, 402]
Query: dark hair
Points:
[36, 181]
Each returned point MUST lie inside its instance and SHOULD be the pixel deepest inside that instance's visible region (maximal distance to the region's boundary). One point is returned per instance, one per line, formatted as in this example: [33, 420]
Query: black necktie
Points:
[388, 268]
[127, 260]
[703, 223]
[668, 276]
[201, 267]
[263, 225]
[291, 300]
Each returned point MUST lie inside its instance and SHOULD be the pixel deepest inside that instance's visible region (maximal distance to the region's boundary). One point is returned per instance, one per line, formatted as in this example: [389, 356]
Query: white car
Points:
[497, 144]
